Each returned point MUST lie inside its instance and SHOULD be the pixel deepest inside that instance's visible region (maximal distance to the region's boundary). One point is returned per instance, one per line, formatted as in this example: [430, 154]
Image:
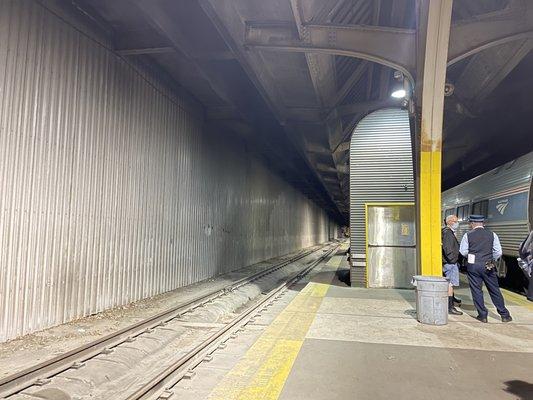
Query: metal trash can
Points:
[431, 299]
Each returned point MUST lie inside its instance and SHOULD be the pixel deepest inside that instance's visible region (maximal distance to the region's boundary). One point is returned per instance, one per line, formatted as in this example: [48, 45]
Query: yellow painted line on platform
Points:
[510, 297]
[517, 299]
[262, 372]
[335, 261]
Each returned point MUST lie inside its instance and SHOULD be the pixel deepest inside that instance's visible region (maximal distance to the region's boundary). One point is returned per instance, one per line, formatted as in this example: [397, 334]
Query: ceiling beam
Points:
[326, 168]
[393, 47]
[145, 50]
[342, 145]
[304, 114]
[310, 156]
[331, 180]
[210, 56]
[482, 75]
[221, 113]
[470, 37]
[162, 21]
[365, 107]
[334, 131]
[339, 169]
[164, 24]
[226, 19]
[317, 148]
[394, 18]
[321, 66]
[350, 82]
[372, 67]
[215, 55]
[484, 72]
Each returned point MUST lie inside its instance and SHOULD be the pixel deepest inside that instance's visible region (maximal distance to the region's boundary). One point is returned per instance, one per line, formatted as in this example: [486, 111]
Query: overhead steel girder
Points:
[321, 68]
[145, 50]
[350, 82]
[473, 36]
[364, 107]
[326, 168]
[316, 148]
[393, 47]
[339, 169]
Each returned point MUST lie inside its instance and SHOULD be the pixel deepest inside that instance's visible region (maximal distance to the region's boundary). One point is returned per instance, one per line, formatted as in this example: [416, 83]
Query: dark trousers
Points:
[477, 274]
[530, 288]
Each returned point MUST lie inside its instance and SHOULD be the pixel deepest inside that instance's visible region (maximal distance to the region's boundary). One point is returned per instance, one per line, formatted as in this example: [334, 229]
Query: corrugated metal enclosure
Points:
[111, 188]
[381, 169]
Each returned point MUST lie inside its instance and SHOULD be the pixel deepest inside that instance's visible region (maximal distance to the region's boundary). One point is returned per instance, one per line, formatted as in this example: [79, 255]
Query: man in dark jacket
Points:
[450, 260]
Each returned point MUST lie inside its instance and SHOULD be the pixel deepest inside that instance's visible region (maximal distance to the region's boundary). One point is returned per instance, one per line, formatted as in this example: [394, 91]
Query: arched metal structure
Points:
[381, 171]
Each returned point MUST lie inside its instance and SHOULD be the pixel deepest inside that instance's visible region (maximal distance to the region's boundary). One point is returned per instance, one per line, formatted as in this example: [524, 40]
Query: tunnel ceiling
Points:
[297, 109]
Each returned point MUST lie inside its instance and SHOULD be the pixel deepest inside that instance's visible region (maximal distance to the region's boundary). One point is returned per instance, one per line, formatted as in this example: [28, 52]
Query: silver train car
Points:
[504, 196]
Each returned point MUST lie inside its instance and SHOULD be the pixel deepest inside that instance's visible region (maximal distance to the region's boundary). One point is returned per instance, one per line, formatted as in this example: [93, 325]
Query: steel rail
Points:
[39, 374]
[160, 386]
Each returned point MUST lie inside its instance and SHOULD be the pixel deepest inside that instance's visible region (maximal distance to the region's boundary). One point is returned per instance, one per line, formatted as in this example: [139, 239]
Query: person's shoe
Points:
[454, 311]
[482, 319]
[457, 301]
[507, 319]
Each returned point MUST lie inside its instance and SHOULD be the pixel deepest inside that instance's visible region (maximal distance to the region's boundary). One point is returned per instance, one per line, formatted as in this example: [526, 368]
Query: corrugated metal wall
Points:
[381, 167]
[110, 191]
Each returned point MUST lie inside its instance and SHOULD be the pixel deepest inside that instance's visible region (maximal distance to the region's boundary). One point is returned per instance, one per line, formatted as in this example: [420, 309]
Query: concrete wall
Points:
[111, 188]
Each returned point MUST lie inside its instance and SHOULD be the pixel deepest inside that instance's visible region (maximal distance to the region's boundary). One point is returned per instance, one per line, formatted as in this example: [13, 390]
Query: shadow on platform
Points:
[341, 277]
[522, 389]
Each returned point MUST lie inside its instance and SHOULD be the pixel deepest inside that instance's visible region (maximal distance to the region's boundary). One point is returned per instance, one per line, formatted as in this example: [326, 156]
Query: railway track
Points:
[160, 386]
[41, 374]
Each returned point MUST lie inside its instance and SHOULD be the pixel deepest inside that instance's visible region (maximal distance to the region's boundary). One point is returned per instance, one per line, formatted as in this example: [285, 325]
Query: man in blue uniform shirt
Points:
[481, 248]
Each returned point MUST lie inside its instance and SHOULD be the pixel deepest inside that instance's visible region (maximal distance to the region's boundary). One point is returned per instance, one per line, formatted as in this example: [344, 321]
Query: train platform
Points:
[325, 340]
[319, 339]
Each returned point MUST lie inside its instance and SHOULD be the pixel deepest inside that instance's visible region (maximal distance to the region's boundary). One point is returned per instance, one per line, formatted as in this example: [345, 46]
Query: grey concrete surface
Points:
[345, 370]
[367, 344]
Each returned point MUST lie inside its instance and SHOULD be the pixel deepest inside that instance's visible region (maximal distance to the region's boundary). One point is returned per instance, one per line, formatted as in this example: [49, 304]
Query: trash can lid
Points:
[429, 278]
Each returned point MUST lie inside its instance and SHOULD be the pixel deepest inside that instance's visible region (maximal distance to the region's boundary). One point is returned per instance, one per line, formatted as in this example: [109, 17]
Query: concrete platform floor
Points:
[325, 340]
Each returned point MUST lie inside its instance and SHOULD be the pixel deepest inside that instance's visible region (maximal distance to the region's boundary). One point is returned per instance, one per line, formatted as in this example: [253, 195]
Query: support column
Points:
[437, 32]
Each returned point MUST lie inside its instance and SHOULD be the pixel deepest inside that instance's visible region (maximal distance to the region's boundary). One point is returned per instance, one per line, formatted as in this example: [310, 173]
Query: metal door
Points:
[390, 244]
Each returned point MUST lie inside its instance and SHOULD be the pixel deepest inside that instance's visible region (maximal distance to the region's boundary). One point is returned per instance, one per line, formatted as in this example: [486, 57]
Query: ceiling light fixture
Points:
[398, 94]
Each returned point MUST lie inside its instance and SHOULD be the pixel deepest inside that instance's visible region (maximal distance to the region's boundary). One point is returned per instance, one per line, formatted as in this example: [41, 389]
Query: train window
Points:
[481, 208]
[449, 211]
[462, 212]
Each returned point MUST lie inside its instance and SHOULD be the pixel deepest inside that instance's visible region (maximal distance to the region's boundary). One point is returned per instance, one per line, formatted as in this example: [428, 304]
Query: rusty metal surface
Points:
[111, 190]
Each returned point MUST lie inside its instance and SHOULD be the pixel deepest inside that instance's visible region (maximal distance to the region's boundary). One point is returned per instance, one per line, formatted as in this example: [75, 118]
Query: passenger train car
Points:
[504, 196]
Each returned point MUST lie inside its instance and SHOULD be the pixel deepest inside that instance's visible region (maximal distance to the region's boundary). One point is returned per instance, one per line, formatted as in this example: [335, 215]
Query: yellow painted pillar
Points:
[429, 190]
